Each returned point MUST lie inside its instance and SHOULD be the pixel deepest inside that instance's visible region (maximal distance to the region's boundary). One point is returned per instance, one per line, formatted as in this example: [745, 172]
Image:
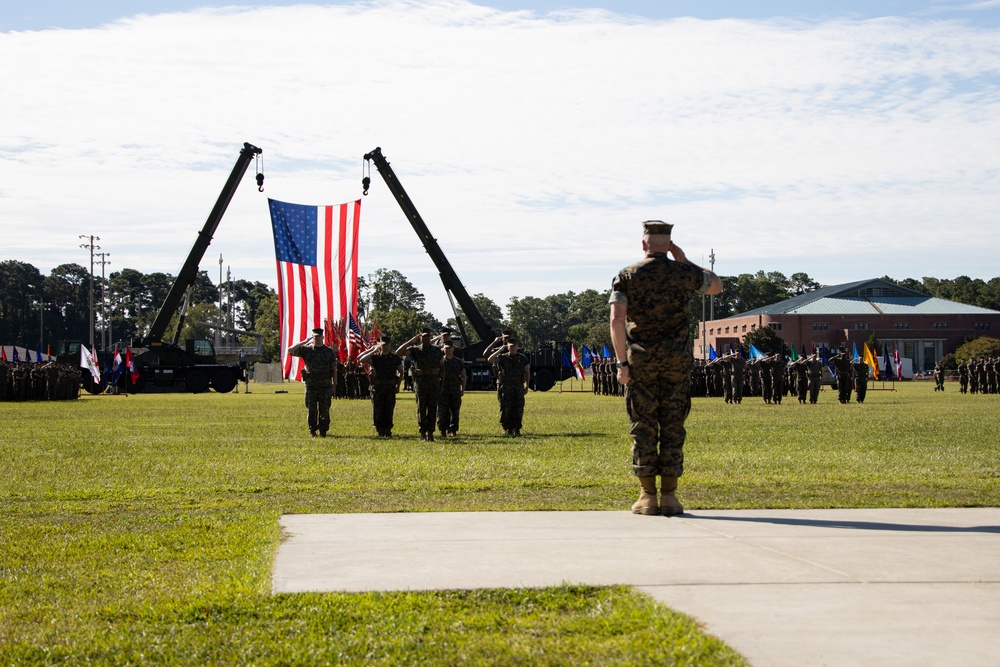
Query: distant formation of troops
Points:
[49, 381]
[774, 377]
[978, 376]
[604, 377]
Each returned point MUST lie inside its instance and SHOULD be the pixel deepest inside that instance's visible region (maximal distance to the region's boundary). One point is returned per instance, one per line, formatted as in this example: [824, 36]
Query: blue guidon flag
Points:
[316, 253]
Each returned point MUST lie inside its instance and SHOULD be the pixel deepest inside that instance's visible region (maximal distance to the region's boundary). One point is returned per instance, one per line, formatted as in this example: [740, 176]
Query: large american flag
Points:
[316, 251]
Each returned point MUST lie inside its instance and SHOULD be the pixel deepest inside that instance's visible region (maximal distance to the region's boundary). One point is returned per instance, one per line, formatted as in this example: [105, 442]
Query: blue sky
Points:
[853, 141]
[44, 14]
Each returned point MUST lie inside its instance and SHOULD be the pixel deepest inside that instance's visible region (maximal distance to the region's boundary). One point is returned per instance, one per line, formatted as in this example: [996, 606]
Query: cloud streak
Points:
[533, 144]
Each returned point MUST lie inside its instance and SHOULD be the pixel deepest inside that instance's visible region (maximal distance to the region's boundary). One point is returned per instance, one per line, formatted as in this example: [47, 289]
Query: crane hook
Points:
[260, 172]
[366, 181]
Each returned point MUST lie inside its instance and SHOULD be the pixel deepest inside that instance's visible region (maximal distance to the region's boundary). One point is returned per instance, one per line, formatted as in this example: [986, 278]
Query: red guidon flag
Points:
[316, 251]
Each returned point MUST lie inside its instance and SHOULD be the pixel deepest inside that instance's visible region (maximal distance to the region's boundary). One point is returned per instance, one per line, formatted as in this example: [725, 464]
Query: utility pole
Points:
[218, 329]
[711, 258]
[41, 321]
[230, 312]
[92, 247]
[104, 261]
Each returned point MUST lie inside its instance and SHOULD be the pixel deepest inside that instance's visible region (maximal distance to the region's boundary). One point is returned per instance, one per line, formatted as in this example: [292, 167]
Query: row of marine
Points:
[51, 381]
[978, 376]
[774, 377]
[604, 377]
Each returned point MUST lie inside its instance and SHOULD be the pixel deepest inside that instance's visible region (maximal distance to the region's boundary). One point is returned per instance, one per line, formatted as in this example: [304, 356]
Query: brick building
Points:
[923, 328]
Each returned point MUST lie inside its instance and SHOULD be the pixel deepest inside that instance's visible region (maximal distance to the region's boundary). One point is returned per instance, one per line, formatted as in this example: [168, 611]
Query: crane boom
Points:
[449, 278]
[189, 272]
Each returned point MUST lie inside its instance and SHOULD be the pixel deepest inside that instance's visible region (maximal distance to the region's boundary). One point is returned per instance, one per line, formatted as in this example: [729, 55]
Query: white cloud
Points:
[532, 144]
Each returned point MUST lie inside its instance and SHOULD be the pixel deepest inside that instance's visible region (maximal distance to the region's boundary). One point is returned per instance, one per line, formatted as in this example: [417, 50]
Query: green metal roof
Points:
[866, 297]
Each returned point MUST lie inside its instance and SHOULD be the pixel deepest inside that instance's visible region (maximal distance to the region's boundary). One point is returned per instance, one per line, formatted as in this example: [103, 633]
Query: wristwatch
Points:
[621, 364]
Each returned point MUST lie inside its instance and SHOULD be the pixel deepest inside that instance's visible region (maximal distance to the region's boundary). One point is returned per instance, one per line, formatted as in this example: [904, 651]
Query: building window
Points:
[745, 328]
[983, 326]
[819, 326]
[940, 325]
[727, 329]
[901, 325]
[860, 325]
[775, 325]
[711, 332]
[753, 327]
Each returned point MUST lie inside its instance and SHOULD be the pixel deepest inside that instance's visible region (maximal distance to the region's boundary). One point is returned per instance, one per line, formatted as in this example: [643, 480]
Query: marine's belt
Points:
[426, 371]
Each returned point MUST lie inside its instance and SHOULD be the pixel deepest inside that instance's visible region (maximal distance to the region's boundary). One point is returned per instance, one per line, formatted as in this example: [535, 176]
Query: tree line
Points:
[56, 307]
[385, 296]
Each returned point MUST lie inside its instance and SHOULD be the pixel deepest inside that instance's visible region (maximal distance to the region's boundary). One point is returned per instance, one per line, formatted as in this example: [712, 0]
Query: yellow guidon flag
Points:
[869, 359]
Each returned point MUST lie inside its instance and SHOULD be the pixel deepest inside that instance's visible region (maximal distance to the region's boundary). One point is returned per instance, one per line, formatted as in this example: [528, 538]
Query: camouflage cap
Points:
[656, 227]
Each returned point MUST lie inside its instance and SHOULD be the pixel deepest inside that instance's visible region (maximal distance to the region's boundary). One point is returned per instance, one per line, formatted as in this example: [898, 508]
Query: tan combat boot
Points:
[647, 499]
[669, 505]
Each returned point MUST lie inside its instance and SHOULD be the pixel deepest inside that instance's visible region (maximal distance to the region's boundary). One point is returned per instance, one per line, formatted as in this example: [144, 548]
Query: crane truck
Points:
[165, 366]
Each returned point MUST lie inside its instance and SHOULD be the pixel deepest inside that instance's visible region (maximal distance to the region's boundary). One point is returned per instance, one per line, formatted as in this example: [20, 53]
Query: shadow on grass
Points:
[852, 525]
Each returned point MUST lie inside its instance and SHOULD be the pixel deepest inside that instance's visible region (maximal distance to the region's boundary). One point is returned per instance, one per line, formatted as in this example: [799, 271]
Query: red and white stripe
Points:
[309, 295]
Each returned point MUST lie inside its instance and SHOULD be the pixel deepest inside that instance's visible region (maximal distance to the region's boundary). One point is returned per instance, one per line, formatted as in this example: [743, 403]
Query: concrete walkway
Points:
[782, 587]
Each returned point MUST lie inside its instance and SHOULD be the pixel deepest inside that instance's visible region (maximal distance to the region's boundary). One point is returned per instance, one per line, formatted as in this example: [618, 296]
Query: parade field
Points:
[142, 529]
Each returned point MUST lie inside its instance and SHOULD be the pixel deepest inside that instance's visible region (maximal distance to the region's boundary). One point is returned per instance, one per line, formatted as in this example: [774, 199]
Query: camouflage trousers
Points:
[318, 405]
[383, 405]
[449, 406]
[814, 382]
[426, 392]
[511, 406]
[657, 404]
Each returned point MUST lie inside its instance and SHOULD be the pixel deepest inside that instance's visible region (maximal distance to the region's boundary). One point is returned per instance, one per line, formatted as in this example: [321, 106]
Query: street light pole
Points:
[218, 329]
[711, 258]
[104, 299]
[41, 321]
[92, 247]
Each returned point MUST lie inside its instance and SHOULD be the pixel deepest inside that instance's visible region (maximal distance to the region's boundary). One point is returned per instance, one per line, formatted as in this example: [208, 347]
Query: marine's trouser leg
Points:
[427, 392]
[813, 390]
[312, 408]
[449, 406]
[383, 405]
[657, 408]
[511, 406]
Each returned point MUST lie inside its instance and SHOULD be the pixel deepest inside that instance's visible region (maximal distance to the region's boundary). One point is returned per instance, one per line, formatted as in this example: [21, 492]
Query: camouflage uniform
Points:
[426, 384]
[318, 373]
[510, 390]
[860, 370]
[450, 403]
[777, 379]
[842, 363]
[815, 369]
[657, 293]
[801, 368]
[387, 369]
[739, 365]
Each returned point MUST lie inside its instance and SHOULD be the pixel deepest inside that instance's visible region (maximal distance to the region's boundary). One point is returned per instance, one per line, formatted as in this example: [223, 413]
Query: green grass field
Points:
[141, 529]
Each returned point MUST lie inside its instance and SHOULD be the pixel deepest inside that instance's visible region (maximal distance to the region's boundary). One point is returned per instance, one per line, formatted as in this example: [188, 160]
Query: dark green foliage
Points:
[978, 348]
[764, 339]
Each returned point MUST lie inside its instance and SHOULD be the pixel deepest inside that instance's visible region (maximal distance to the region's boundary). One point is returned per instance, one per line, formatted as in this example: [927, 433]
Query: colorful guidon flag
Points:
[575, 359]
[87, 361]
[316, 255]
